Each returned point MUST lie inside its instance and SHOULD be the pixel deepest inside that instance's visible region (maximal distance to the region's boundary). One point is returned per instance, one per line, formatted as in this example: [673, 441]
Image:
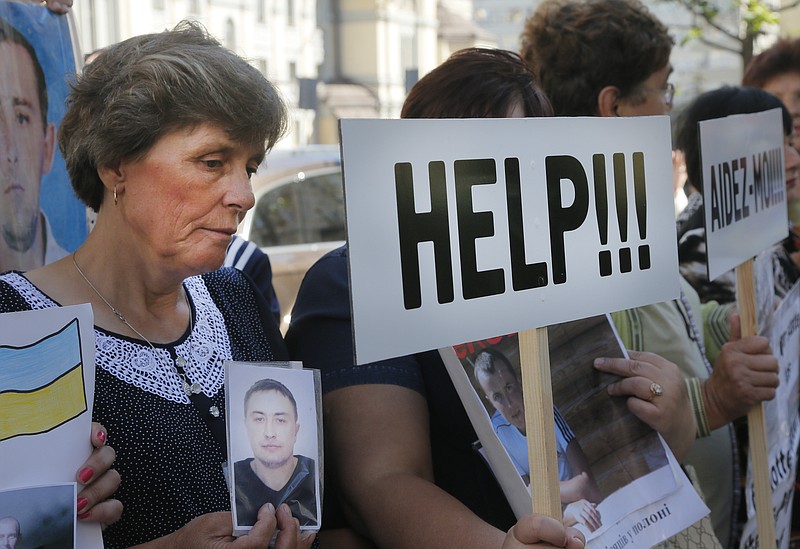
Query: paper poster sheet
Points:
[46, 394]
[39, 516]
[544, 219]
[42, 219]
[782, 423]
[613, 468]
[274, 427]
[744, 187]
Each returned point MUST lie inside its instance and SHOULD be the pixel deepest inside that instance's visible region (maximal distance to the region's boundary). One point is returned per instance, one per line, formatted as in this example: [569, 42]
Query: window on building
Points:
[290, 6]
[194, 6]
[158, 4]
[412, 75]
[261, 11]
[230, 34]
[306, 210]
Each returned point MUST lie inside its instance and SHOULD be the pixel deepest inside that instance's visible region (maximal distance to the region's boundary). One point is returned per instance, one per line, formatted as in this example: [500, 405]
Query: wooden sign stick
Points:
[756, 427]
[534, 351]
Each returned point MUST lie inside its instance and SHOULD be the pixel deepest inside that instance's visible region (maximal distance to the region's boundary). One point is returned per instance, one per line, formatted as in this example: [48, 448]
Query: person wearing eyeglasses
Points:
[777, 71]
[611, 58]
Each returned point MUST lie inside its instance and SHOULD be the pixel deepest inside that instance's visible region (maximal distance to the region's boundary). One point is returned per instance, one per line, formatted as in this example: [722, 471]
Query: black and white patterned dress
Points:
[169, 459]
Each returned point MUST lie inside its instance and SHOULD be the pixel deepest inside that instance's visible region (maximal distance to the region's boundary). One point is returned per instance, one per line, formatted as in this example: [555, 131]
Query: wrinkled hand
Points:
[584, 512]
[214, 531]
[539, 531]
[745, 374]
[669, 413]
[99, 482]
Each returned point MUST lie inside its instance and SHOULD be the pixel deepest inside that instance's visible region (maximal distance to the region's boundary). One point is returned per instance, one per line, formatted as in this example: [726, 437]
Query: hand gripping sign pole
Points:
[744, 199]
[756, 425]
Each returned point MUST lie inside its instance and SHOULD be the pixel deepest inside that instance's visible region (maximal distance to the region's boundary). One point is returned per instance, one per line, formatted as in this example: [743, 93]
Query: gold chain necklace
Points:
[188, 388]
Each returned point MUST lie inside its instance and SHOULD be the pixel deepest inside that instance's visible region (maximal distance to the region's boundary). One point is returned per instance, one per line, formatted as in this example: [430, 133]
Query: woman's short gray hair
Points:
[137, 91]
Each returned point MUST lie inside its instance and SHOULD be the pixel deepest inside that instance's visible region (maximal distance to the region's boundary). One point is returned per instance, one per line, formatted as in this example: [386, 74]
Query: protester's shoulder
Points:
[12, 287]
[242, 466]
[325, 288]
[225, 276]
[229, 288]
[332, 267]
[8, 276]
[306, 462]
[242, 252]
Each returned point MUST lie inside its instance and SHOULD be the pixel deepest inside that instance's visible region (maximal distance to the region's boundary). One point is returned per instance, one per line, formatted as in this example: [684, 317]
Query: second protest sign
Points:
[465, 229]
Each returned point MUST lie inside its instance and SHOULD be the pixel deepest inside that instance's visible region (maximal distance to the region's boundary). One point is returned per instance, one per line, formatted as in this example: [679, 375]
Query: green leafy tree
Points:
[732, 25]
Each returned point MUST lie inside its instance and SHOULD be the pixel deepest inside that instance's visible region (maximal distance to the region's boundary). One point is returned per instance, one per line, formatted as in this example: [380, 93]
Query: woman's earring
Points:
[115, 195]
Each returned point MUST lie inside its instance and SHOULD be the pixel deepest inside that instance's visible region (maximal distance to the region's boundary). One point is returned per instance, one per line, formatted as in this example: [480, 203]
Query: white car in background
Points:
[298, 215]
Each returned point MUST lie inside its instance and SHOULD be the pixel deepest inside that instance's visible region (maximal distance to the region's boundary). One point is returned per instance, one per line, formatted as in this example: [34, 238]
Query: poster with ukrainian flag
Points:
[46, 395]
[41, 383]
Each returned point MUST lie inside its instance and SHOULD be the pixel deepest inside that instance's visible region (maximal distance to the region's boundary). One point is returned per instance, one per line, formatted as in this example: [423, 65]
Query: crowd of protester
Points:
[161, 135]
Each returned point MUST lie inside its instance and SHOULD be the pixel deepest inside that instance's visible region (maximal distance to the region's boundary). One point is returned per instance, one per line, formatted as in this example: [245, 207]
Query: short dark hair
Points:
[476, 83]
[783, 57]
[577, 47]
[9, 34]
[487, 360]
[718, 103]
[265, 385]
[138, 90]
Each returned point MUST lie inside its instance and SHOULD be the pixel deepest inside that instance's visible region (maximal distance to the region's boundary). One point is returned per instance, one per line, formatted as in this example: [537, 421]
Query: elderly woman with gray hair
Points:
[161, 136]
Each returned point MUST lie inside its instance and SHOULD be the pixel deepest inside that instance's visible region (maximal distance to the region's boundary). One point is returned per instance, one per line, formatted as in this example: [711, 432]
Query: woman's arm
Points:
[379, 446]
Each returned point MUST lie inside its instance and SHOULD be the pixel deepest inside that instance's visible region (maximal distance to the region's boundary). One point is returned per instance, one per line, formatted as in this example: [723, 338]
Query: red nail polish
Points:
[85, 474]
[84, 516]
[102, 436]
[82, 502]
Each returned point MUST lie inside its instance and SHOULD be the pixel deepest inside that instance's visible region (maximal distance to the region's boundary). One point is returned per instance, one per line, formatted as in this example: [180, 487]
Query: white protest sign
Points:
[782, 425]
[744, 187]
[460, 230]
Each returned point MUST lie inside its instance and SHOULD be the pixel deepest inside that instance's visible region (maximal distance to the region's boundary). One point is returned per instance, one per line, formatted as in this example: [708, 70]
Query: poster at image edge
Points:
[304, 387]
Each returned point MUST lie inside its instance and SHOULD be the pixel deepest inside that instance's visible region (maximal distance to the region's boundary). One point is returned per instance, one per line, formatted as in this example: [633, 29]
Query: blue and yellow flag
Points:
[41, 384]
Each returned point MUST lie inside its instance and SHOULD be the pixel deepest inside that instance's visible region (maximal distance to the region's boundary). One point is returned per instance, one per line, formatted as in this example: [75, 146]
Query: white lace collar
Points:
[132, 361]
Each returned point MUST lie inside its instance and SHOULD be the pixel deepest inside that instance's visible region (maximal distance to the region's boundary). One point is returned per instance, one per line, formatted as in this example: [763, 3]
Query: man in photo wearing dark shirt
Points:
[275, 474]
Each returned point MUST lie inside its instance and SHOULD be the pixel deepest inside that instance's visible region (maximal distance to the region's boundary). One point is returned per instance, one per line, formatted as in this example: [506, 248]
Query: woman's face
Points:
[786, 87]
[186, 197]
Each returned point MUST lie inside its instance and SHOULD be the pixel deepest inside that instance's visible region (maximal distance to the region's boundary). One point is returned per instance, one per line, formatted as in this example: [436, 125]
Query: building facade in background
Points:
[337, 59]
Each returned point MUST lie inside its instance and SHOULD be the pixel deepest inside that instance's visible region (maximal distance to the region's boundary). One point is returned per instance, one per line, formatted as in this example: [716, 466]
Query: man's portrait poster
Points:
[274, 441]
[604, 453]
[38, 516]
[41, 219]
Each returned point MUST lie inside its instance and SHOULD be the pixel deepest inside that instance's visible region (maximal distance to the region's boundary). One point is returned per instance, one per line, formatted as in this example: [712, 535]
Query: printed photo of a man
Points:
[38, 516]
[274, 425]
[275, 474]
[40, 217]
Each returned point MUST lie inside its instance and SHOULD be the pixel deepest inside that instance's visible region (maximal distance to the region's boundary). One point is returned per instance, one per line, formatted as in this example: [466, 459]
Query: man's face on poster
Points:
[503, 390]
[26, 147]
[272, 427]
[9, 533]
